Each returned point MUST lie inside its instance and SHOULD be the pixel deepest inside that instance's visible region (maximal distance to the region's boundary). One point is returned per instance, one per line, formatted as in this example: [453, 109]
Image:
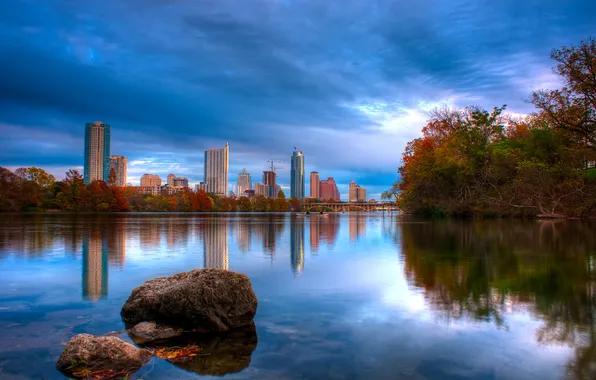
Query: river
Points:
[342, 296]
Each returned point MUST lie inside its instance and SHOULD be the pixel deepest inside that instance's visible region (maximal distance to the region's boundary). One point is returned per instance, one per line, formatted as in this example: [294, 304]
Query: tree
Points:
[573, 108]
[280, 194]
[260, 203]
[112, 178]
[244, 204]
[9, 190]
[295, 205]
[74, 191]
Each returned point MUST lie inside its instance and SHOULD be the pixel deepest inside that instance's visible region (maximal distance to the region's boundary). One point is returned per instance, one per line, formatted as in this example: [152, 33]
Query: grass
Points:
[591, 174]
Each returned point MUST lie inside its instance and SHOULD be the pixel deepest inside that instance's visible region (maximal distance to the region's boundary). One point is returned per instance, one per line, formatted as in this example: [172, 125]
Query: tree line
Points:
[33, 189]
[474, 161]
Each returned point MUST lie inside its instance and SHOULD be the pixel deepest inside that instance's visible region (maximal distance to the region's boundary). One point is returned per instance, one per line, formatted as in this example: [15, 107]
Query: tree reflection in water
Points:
[483, 270]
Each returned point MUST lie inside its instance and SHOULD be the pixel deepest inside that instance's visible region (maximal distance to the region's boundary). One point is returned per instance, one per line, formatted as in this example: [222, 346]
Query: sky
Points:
[348, 82]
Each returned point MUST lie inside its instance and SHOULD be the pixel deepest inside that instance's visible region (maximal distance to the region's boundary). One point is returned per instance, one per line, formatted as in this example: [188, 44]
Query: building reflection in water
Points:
[244, 233]
[357, 226]
[116, 237]
[297, 245]
[215, 244]
[95, 265]
[323, 229]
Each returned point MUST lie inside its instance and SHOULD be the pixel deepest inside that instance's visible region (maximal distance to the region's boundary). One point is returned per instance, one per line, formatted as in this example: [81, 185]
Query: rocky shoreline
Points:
[201, 321]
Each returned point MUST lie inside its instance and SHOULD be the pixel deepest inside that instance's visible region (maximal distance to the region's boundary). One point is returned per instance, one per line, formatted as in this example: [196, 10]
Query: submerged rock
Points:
[85, 352]
[210, 299]
[148, 332]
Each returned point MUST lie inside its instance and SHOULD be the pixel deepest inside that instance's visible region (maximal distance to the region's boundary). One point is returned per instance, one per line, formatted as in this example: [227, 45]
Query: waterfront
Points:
[345, 296]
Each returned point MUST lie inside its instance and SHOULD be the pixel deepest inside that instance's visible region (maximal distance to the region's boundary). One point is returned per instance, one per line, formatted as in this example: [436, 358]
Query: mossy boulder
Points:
[214, 300]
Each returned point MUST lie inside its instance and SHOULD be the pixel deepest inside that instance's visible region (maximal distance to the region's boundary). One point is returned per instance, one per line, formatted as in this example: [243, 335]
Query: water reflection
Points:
[491, 281]
[215, 244]
[485, 271]
[95, 265]
[297, 245]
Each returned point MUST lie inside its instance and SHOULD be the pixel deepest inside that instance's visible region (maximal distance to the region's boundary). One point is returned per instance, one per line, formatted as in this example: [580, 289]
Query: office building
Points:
[179, 181]
[297, 176]
[171, 178]
[269, 179]
[97, 152]
[356, 193]
[201, 186]
[118, 163]
[315, 183]
[261, 189]
[216, 170]
[244, 182]
[150, 180]
[328, 190]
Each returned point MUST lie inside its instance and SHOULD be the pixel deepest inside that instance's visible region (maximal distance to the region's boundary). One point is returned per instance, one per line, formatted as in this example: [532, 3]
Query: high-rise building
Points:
[118, 163]
[171, 178]
[150, 180]
[297, 175]
[244, 182]
[216, 170]
[356, 193]
[179, 181]
[261, 189]
[269, 179]
[315, 183]
[97, 152]
[201, 186]
[328, 189]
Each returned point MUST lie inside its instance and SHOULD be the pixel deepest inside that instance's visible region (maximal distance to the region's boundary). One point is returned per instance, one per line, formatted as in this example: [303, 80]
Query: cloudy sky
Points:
[348, 82]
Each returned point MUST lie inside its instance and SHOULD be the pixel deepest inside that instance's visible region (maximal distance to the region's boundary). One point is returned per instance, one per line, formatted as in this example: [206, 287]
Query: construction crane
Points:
[272, 165]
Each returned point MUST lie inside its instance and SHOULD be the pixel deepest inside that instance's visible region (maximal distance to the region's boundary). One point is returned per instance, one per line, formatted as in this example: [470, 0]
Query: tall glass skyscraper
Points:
[297, 175]
[97, 152]
[216, 170]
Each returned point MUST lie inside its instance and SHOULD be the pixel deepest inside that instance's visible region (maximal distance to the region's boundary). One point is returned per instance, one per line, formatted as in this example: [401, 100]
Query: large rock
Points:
[209, 299]
[149, 332]
[87, 352]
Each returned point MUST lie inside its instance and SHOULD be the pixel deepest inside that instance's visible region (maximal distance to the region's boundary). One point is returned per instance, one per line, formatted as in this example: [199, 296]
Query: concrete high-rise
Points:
[269, 179]
[171, 178]
[244, 182]
[216, 170]
[179, 182]
[328, 189]
[97, 152]
[356, 193]
[297, 175]
[315, 183]
[118, 163]
[150, 180]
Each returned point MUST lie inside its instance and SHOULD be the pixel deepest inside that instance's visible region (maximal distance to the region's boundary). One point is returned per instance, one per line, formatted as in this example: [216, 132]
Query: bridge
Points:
[350, 206]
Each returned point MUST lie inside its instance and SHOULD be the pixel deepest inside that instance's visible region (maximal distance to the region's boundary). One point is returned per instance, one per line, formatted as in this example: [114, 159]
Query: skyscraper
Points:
[118, 163]
[244, 182]
[328, 189]
[216, 170]
[356, 193]
[315, 183]
[179, 182]
[97, 152]
[297, 175]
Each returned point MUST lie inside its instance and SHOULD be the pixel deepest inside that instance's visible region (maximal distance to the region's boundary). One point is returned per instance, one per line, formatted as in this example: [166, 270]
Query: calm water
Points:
[342, 297]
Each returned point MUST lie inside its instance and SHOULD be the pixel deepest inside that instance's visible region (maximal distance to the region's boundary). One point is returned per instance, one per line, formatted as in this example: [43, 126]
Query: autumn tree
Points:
[112, 177]
[244, 204]
[573, 107]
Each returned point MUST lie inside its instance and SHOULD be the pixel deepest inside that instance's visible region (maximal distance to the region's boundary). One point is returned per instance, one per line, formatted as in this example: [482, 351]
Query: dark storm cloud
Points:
[348, 82]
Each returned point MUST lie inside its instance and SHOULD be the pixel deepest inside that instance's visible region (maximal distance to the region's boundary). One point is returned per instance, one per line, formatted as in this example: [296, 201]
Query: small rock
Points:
[147, 332]
[85, 352]
[211, 299]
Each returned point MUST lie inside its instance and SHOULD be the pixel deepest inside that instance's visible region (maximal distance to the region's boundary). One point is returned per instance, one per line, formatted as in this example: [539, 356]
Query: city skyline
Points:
[201, 76]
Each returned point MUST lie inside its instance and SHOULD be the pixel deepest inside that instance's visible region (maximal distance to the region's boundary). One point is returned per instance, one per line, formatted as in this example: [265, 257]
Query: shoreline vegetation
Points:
[474, 162]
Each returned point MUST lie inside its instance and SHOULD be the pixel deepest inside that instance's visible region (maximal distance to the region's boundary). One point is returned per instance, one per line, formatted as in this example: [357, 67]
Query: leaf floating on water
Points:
[177, 353]
[103, 374]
